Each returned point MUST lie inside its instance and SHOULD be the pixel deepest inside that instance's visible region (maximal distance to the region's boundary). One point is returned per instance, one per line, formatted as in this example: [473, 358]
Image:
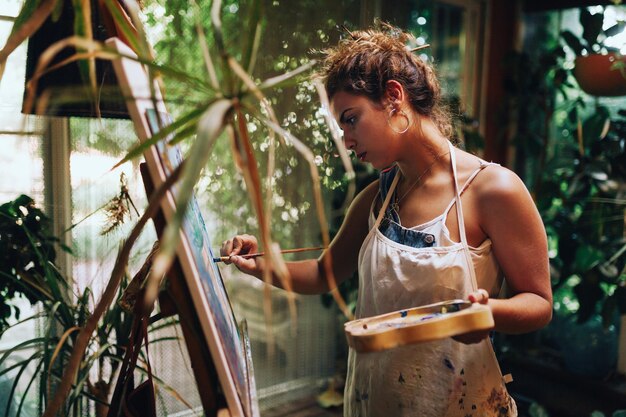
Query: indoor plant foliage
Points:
[578, 180]
[583, 187]
[571, 152]
[27, 253]
[35, 366]
[28, 270]
[583, 209]
[582, 201]
[229, 99]
[288, 37]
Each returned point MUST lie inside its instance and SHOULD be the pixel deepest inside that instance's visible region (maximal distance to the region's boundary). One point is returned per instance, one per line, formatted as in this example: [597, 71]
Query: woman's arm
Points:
[508, 215]
[309, 276]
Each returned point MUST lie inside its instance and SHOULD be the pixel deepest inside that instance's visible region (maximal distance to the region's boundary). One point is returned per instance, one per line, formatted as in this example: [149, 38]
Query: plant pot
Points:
[69, 93]
[596, 76]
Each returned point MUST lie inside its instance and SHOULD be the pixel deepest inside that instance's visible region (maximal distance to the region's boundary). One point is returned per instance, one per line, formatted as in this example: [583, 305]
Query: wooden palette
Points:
[416, 325]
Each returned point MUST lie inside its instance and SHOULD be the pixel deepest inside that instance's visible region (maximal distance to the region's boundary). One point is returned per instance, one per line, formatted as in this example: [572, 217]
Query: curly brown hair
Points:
[365, 60]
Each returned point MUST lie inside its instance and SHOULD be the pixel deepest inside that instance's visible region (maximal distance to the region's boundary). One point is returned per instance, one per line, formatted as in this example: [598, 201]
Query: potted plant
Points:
[27, 269]
[600, 70]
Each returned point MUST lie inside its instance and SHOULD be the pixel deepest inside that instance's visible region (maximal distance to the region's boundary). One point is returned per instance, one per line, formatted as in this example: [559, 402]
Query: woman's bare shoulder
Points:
[501, 194]
[496, 181]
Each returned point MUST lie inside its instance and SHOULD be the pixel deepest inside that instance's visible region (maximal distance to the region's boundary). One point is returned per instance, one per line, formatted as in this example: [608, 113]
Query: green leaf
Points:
[18, 364]
[211, 124]
[250, 43]
[587, 257]
[17, 378]
[26, 12]
[56, 12]
[127, 31]
[287, 78]
[166, 70]
[34, 341]
[30, 383]
[616, 29]
[573, 42]
[594, 125]
[190, 119]
[185, 133]
[592, 26]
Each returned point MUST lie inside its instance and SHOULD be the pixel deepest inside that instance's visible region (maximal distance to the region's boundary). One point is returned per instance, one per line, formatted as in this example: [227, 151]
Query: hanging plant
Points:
[600, 70]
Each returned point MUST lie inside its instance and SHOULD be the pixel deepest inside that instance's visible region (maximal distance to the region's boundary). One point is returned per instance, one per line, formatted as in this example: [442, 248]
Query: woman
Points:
[439, 224]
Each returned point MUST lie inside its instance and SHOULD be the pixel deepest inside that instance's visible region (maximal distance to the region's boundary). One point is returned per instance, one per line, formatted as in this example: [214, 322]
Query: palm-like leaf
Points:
[210, 126]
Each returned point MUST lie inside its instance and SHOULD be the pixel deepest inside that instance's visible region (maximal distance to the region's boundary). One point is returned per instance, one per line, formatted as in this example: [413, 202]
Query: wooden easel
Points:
[217, 345]
[174, 300]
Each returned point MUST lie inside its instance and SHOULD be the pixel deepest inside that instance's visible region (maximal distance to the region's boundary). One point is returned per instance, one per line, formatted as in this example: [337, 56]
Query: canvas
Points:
[226, 341]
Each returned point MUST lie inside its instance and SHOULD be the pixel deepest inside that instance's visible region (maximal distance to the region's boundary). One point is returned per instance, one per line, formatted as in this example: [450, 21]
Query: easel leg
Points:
[175, 301]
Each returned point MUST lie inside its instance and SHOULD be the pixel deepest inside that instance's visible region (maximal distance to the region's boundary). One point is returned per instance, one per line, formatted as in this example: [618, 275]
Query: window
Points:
[457, 40]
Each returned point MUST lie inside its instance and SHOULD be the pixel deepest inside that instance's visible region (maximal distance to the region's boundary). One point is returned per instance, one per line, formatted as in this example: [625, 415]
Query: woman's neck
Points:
[424, 150]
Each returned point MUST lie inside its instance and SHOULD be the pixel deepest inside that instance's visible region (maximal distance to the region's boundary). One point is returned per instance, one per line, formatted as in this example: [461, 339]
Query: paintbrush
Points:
[254, 255]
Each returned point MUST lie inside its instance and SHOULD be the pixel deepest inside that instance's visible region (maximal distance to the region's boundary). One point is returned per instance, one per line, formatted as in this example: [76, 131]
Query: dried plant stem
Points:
[84, 336]
[317, 193]
[341, 147]
[208, 62]
[245, 157]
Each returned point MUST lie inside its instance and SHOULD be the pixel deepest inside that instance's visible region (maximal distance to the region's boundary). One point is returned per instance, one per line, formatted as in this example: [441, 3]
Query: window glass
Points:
[97, 145]
[21, 172]
[10, 8]
[21, 164]
[20, 161]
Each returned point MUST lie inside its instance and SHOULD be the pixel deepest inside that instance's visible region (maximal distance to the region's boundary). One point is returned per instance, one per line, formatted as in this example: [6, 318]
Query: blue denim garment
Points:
[390, 225]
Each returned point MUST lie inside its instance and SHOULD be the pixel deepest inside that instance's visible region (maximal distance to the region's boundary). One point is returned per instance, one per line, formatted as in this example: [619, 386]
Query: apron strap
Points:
[383, 208]
[482, 166]
[460, 220]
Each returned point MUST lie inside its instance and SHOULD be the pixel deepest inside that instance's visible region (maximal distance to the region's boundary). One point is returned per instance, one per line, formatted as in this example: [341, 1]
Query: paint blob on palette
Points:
[417, 325]
[403, 322]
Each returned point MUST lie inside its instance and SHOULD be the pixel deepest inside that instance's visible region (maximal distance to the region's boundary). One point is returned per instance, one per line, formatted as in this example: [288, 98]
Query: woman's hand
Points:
[243, 245]
[480, 296]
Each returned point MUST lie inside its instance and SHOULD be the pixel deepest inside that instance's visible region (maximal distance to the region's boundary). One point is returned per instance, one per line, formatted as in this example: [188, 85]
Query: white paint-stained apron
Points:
[433, 379]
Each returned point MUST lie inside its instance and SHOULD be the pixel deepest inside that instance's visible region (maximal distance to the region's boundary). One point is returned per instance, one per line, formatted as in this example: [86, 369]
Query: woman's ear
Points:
[394, 92]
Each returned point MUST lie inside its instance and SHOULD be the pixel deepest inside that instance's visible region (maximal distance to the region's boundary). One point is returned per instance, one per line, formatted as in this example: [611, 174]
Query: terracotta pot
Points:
[595, 76]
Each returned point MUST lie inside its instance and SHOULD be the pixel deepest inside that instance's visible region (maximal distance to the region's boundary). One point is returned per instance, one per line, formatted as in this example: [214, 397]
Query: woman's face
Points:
[365, 128]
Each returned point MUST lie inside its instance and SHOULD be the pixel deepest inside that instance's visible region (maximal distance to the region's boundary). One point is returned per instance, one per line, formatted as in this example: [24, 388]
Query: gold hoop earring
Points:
[403, 114]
